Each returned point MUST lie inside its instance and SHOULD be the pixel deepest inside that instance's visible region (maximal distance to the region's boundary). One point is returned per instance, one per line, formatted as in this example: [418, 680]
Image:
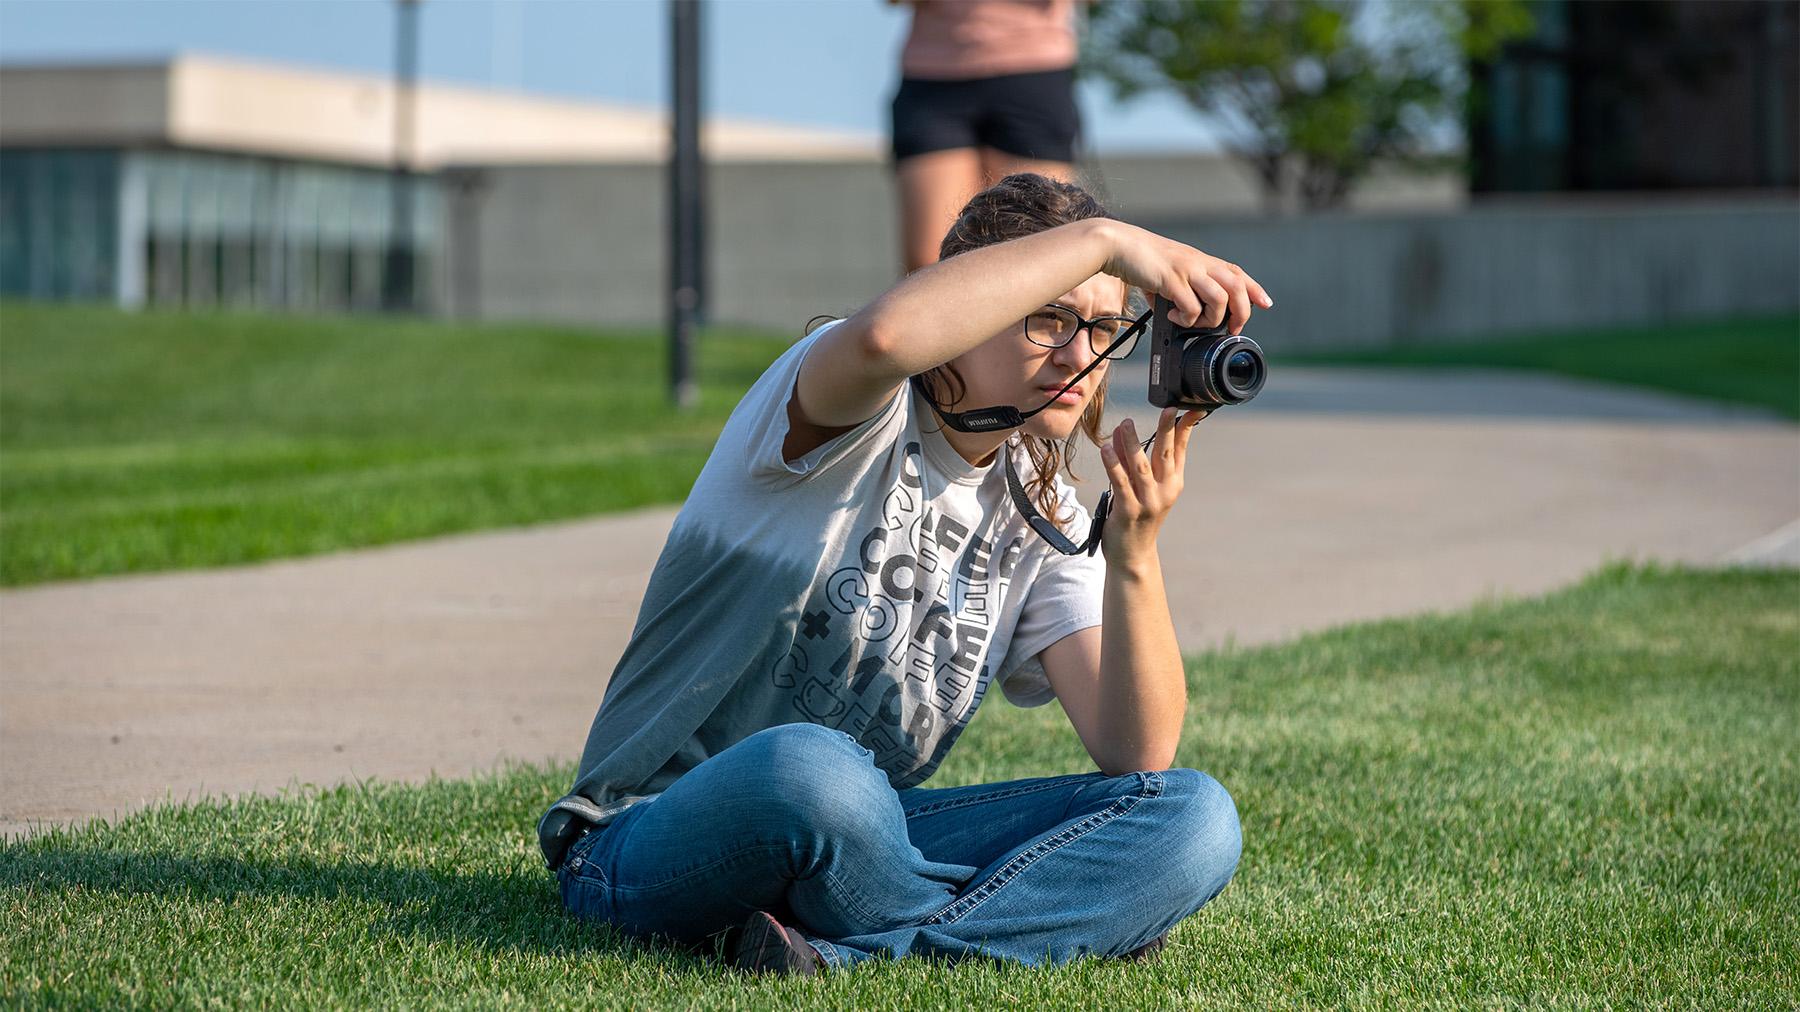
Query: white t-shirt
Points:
[876, 584]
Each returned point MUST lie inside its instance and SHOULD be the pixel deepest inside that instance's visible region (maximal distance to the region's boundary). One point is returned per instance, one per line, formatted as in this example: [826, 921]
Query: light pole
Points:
[397, 287]
[686, 208]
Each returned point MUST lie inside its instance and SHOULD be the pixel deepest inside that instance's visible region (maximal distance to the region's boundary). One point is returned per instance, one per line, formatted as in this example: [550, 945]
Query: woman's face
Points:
[1008, 369]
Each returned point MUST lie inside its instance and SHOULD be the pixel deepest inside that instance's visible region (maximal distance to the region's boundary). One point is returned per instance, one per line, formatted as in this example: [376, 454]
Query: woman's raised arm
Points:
[938, 312]
[944, 309]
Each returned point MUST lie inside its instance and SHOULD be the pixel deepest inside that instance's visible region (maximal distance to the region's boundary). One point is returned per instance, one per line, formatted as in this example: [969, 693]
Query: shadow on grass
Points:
[502, 913]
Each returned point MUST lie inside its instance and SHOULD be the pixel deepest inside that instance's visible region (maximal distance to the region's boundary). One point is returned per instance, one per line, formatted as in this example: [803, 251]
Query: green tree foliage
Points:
[1320, 89]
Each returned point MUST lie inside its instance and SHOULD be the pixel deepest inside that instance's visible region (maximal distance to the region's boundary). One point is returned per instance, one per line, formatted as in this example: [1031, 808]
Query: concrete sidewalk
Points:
[1339, 495]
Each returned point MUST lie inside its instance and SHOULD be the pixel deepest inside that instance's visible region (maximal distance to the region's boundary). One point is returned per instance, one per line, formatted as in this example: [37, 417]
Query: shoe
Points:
[765, 945]
[1148, 949]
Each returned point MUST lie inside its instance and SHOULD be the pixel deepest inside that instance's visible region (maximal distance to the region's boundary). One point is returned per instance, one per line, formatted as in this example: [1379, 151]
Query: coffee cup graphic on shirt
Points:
[817, 701]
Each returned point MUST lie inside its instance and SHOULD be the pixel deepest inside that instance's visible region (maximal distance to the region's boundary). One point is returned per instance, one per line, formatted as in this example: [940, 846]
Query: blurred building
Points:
[206, 182]
[1674, 95]
[200, 181]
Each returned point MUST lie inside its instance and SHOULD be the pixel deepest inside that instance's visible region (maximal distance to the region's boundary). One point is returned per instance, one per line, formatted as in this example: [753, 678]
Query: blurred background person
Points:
[987, 88]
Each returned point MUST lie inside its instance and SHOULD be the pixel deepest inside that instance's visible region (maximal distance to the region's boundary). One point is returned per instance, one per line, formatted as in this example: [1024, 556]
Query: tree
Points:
[1318, 90]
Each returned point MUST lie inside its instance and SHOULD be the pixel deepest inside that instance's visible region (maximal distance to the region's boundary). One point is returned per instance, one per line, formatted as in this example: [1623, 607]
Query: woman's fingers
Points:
[1125, 498]
[1147, 485]
[1240, 306]
[1182, 432]
[1217, 300]
[1187, 306]
[1236, 285]
[1262, 297]
[1205, 290]
[1137, 464]
[1162, 449]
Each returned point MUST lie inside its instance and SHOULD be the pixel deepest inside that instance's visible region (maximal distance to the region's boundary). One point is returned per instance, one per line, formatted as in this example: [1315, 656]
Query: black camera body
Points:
[1201, 367]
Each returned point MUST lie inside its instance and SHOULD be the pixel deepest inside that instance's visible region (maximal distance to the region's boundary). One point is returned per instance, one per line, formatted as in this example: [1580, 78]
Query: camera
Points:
[1201, 367]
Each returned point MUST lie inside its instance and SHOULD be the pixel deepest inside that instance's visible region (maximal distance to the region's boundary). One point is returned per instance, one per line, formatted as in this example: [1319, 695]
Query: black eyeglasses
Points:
[1111, 337]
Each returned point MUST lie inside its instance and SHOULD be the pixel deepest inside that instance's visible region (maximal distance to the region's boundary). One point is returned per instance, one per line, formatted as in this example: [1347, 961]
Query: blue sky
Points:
[830, 63]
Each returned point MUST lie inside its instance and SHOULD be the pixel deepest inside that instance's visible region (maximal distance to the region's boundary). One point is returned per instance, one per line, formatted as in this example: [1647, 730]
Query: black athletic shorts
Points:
[1030, 115]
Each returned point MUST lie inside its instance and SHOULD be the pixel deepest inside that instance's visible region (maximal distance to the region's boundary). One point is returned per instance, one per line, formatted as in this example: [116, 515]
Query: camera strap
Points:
[1008, 417]
[1047, 530]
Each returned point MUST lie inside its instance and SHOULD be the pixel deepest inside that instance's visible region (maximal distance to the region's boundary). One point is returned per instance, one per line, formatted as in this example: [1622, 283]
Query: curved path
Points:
[1342, 495]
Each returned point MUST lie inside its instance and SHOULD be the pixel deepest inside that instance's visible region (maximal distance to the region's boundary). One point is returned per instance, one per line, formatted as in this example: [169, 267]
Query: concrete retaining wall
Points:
[1342, 280]
[586, 243]
[1412, 261]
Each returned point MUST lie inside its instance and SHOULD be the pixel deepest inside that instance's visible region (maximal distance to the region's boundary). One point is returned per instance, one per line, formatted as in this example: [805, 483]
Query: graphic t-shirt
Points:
[876, 584]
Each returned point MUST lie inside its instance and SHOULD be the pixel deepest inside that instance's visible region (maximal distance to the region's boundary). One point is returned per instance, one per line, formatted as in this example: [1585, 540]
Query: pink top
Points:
[953, 40]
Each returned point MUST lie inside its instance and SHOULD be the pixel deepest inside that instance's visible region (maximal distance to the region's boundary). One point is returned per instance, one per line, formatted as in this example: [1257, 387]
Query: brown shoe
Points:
[1148, 949]
[765, 945]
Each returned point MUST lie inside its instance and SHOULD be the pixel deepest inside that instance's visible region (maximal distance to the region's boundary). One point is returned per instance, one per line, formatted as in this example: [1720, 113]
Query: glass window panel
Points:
[15, 244]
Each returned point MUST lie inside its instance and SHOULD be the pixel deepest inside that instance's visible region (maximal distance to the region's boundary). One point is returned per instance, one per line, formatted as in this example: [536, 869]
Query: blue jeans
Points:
[799, 821]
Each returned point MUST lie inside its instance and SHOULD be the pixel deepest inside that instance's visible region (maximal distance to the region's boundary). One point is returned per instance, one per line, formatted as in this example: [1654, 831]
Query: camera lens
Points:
[1220, 370]
[1242, 371]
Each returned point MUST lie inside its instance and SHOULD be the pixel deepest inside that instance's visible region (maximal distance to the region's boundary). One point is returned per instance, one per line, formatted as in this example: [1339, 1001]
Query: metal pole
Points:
[398, 287]
[685, 205]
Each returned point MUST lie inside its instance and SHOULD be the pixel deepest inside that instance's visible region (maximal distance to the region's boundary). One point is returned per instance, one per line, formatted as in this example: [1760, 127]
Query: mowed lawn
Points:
[1584, 800]
[1750, 361]
[157, 440]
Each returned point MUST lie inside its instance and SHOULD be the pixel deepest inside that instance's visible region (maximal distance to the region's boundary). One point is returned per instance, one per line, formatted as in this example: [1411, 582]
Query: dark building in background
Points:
[1642, 95]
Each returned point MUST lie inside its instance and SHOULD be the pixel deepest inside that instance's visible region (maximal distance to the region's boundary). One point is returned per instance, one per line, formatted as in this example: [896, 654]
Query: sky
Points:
[827, 63]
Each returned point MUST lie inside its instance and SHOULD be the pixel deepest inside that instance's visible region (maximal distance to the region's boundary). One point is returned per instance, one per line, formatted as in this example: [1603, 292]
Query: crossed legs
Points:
[797, 819]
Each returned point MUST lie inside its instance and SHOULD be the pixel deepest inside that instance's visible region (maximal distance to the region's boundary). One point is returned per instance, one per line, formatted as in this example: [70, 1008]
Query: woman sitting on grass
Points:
[847, 576]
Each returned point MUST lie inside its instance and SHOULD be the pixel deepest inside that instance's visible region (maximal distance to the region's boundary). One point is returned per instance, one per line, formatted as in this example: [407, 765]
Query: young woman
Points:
[987, 89]
[845, 581]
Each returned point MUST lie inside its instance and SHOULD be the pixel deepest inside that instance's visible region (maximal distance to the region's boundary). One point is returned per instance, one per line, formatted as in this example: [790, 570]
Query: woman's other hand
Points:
[1145, 485]
[1201, 287]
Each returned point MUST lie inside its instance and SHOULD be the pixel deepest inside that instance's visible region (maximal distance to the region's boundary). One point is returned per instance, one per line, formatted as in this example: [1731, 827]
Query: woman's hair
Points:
[1019, 205]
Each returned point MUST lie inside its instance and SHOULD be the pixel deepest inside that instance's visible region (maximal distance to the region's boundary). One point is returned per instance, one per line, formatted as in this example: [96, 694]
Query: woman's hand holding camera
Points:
[1201, 287]
[1144, 485]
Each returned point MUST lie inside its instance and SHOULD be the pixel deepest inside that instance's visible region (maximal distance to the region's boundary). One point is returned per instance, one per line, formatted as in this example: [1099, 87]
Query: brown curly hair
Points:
[1019, 205]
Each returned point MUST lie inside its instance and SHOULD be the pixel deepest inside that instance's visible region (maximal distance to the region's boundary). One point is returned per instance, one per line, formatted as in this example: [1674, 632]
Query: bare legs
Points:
[934, 186]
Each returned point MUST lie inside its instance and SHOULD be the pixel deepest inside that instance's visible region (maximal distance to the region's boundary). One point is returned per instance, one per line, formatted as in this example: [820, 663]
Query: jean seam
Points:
[697, 869]
[850, 899]
[578, 859]
[826, 952]
[933, 807]
[949, 914]
[846, 895]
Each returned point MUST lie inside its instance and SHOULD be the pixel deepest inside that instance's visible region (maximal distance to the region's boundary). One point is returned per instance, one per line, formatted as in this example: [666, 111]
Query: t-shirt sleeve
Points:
[766, 422]
[1066, 597]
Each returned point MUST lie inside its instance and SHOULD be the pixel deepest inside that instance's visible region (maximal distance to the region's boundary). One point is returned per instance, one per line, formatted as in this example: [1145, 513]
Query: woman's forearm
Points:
[947, 308]
[1143, 689]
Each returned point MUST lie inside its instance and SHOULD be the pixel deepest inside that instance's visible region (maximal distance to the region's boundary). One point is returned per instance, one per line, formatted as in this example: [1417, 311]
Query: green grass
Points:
[165, 440]
[154, 441]
[1584, 800]
[1755, 362]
